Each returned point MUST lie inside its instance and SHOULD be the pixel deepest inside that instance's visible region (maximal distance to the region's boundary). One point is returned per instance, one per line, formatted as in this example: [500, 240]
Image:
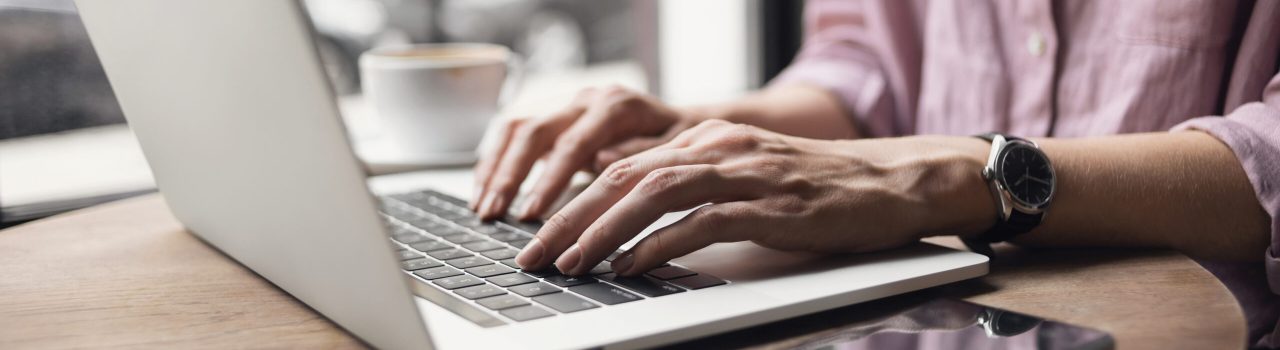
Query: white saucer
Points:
[382, 157]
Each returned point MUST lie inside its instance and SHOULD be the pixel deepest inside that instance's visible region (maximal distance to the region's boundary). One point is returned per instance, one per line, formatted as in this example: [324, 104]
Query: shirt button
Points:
[1035, 44]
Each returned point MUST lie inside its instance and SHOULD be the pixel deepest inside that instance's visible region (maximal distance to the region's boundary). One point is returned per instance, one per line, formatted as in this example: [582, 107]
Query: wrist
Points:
[959, 201]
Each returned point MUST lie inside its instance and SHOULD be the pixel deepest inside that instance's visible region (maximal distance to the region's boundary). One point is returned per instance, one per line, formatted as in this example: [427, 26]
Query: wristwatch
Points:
[1022, 180]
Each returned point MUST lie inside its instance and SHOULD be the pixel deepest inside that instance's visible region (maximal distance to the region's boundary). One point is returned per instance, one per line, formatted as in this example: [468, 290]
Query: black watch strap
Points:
[1018, 223]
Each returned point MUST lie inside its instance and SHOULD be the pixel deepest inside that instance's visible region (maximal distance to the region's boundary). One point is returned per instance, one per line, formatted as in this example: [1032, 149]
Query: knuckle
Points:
[790, 205]
[593, 241]
[659, 181]
[740, 137]
[618, 174]
[715, 219]
[657, 248]
[557, 224]
[622, 104]
[709, 124]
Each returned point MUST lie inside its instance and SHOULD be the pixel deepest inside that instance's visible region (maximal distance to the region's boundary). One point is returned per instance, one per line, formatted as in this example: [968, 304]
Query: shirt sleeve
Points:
[1252, 131]
[867, 55]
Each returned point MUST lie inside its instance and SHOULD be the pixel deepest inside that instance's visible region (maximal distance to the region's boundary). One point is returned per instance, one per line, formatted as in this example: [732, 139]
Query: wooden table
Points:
[126, 274]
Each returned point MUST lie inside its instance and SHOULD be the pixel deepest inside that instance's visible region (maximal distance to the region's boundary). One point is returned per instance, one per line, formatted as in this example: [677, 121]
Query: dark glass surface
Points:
[954, 324]
[1027, 174]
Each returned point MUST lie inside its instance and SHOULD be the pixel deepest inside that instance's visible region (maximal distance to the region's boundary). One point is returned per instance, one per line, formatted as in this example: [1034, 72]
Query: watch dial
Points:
[1027, 175]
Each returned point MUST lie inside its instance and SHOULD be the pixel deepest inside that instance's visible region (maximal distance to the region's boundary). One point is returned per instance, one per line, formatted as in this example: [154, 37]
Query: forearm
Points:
[1181, 190]
[793, 109]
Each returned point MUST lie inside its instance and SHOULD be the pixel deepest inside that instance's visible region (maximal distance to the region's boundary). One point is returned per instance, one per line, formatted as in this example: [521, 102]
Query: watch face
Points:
[1027, 175]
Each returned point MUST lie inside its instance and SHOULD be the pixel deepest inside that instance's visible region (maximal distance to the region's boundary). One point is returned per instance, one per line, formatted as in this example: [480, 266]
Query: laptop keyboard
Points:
[445, 246]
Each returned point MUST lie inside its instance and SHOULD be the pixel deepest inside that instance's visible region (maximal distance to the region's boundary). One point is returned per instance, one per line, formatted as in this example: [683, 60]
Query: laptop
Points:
[236, 118]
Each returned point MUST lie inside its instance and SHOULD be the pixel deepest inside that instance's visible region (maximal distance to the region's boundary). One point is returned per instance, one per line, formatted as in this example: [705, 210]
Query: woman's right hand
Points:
[600, 126]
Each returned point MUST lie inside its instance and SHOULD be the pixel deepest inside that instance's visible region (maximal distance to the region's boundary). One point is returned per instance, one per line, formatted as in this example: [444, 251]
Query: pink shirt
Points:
[1067, 69]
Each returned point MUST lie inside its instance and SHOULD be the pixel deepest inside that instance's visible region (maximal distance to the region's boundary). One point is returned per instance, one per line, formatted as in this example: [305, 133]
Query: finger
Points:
[614, 153]
[715, 223]
[662, 191]
[562, 229]
[490, 155]
[618, 115]
[571, 151]
[494, 203]
[529, 142]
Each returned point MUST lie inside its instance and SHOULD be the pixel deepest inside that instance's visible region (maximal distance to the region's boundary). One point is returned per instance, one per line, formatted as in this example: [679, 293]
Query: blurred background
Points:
[64, 143]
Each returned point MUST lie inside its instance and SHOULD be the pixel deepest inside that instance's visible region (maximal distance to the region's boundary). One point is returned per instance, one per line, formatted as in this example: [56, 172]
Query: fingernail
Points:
[624, 262]
[480, 204]
[568, 262]
[529, 202]
[492, 205]
[531, 254]
[475, 198]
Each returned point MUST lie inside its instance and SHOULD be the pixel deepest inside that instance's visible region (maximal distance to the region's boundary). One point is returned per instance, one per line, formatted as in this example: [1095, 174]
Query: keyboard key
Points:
[468, 262]
[565, 302]
[508, 236]
[511, 279]
[533, 289]
[406, 254]
[449, 254]
[428, 225]
[489, 270]
[410, 238]
[481, 246]
[568, 281]
[502, 302]
[397, 230]
[543, 273]
[647, 286]
[525, 313]
[604, 293]
[463, 238]
[501, 254]
[486, 229]
[510, 262]
[525, 226]
[698, 281]
[437, 272]
[419, 264]
[670, 273]
[430, 246]
[444, 198]
[600, 269]
[472, 223]
[456, 282]
[446, 231]
[454, 215]
[480, 291]
[519, 244]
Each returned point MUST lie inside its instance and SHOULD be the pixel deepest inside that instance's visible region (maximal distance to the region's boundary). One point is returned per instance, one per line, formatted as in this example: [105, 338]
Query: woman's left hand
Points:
[778, 191]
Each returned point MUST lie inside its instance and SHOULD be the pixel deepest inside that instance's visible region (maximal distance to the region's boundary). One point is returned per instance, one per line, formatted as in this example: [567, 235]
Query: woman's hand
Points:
[599, 127]
[778, 191]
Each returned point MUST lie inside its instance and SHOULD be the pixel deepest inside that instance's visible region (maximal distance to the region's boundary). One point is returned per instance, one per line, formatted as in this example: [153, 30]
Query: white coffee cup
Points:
[433, 99]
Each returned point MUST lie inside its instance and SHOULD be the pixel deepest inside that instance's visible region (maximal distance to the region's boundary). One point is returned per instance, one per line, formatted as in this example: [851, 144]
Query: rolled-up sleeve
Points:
[1252, 131]
[867, 55]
